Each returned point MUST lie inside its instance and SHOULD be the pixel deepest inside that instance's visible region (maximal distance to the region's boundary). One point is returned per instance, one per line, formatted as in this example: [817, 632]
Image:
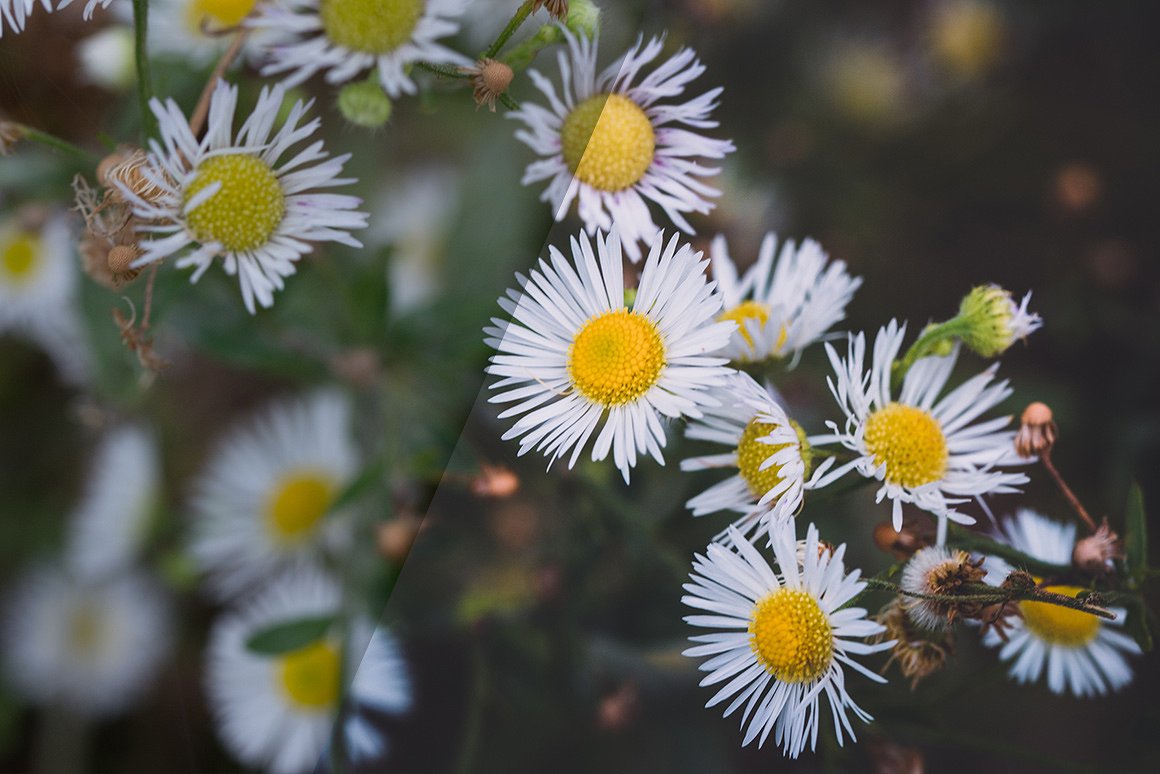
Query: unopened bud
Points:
[121, 257]
[365, 104]
[994, 321]
[1037, 431]
[396, 536]
[583, 18]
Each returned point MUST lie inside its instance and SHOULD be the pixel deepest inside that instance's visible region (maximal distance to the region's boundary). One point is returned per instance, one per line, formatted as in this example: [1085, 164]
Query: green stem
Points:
[981, 592]
[446, 71]
[925, 343]
[508, 102]
[467, 754]
[522, 55]
[144, 80]
[514, 24]
[973, 541]
[52, 141]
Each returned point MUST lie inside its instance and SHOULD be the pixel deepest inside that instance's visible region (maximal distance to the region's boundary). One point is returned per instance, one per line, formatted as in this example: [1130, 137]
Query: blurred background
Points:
[930, 145]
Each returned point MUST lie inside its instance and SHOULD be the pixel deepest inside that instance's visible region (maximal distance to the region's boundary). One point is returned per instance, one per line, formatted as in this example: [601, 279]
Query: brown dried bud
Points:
[1018, 580]
[943, 572]
[1094, 554]
[396, 536]
[919, 653]
[361, 366]
[890, 757]
[495, 481]
[618, 709]
[1037, 431]
[902, 544]
[490, 78]
[10, 134]
[557, 8]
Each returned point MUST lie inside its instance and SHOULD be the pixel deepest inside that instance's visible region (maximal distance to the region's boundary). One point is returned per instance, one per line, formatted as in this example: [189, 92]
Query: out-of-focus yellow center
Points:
[747, 310]
[220, 13]
[791, 636]
[608, 142]
[910, 442]
[244, 212]
[310, 676]
[86, 631]
[19, 256]
[752, 453]
[370, 26]
[298, 504]
[616, 357]
[1060, 625]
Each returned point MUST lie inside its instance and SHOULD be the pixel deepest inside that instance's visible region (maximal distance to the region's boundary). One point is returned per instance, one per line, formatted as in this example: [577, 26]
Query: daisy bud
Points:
[993, 320]
[583, 17]
[365, 104]
[1094, 554]
[1037, 431]
[918, 652]
[490, 78]
[557, 8]
[940, 571]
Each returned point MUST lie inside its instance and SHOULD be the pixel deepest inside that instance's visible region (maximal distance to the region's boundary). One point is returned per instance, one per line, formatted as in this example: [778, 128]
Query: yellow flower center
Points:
[616, 357]
[86, 632]
[223, 13]
[246, 209]
[1060, 625]
[791, 636]
[310, 676]
[370, 26]
[747, 310]
[19, 256]
[910, 442]
[608, 142]
[297, 505]
[751, 453]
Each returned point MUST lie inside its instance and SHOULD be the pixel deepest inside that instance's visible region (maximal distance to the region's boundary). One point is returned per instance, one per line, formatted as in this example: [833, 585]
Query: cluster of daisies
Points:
[585, 362]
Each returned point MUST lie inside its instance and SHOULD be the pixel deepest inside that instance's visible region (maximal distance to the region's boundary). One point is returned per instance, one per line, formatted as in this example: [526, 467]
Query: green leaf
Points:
[1136, 624]
[1136, 535]
[290, 636]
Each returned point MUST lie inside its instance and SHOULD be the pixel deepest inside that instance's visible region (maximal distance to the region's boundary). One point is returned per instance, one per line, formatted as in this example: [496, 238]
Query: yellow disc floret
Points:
[747, 310]
[608, 142]
[222, 13]
[910, 442]
[370, 26]
[18, 256]
[297, 504]
[616, 357]
[1060, 625]
[791, 636]
[752, 453]
[310, 676]
[245, 211]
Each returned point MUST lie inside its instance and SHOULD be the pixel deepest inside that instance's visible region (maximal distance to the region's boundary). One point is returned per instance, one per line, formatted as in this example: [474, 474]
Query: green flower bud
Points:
[365, 104]
[583, 18]
[992, 321]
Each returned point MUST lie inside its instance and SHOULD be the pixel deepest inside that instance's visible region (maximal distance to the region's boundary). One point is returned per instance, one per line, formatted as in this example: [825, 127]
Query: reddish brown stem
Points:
[197, 121]
[1045, 458]
[149, 296]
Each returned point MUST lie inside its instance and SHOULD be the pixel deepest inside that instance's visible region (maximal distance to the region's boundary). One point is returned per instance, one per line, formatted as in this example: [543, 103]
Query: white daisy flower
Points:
[110, 526]
[229, 196]
[781, 305]
[781, 638]
[90, 6]
[262, 502]
[348, 37]
[925, 450]
[769, 451]
[92, 647]
[577, 357]
[190, 30]
[38, 283]
[277, 712]
[1082, 654]
[14, 12]
[614, 143]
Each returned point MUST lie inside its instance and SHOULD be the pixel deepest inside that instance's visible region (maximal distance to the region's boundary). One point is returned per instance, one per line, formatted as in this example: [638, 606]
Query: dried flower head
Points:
[125, 167]
[108, 245]
[1037, 431]
[941, 571]
[490, 78]
[557, 8]
[1094, 554]
[918, 652]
